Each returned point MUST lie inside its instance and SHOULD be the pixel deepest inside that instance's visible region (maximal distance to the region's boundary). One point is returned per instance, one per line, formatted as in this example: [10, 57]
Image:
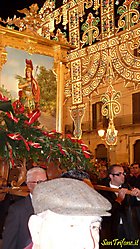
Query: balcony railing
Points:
[127, 120]
[120, 121]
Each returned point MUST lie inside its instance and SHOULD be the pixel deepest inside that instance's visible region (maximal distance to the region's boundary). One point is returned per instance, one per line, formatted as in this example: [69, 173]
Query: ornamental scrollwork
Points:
[111, 107]
[126, 64]
[91, 31]
[129, 15]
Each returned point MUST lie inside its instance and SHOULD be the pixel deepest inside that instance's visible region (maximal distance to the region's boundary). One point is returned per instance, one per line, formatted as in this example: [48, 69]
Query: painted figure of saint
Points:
[30, 88]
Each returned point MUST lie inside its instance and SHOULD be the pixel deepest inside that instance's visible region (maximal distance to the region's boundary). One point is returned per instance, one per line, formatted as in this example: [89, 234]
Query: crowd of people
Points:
[101, 171]
[120, 229]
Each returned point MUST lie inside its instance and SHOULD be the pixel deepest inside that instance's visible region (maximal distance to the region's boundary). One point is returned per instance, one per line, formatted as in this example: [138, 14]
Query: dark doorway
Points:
[101, 152]
[137, 151]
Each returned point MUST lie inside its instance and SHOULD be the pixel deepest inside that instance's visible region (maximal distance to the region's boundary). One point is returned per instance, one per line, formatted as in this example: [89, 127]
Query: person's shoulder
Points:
[20, 203]
[104, 182]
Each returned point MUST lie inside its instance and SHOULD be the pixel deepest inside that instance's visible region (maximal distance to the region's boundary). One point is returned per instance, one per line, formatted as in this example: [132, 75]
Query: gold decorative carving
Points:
[89, 67]
[91, 31]
[89, 4]
[111, 106]
[67, 81]
[76, 93]
[77, 113]
[126, 64]
[76, 70]
[95, 74]
[3, 56]
[129, 15]
[121, 50]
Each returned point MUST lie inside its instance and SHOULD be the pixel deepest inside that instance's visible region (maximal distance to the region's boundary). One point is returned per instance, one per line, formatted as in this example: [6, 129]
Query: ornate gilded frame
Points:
[35, 44]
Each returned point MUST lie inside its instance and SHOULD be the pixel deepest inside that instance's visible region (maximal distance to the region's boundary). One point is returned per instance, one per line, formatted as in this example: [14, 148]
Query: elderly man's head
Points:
[35, 175]
[66, 210]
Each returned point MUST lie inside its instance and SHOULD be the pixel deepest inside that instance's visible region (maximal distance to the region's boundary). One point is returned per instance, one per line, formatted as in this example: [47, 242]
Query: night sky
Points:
[10, 7]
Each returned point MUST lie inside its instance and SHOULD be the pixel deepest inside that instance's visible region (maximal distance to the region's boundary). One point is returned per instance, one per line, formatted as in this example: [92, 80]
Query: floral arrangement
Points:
[21, 137]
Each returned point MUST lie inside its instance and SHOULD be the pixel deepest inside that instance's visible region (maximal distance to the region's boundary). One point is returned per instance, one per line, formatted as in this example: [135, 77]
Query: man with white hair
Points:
[16, 233]
[67, 215]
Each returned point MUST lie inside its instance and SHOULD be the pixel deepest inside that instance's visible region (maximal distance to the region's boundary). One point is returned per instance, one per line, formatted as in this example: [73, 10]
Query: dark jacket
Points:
[4, 205]
[123, 222]
[134, 181]
[16, 234]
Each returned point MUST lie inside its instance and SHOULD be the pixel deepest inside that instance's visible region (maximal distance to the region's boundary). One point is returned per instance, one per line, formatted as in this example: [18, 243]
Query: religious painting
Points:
[15, 76]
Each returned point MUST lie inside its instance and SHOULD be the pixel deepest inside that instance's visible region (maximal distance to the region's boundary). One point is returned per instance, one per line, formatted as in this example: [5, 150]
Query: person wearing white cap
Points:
[67, 215]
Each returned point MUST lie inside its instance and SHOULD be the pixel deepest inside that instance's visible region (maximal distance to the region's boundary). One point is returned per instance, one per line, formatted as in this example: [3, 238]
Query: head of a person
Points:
[29, 68]
[103, 172]
[78, 175]
[65, 209]
[135, 169]
[117, 175]
[35, 175]
[28, 72]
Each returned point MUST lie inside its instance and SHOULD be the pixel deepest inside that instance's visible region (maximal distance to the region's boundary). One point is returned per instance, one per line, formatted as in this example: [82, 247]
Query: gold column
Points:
[59, 68]
[60, 99]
